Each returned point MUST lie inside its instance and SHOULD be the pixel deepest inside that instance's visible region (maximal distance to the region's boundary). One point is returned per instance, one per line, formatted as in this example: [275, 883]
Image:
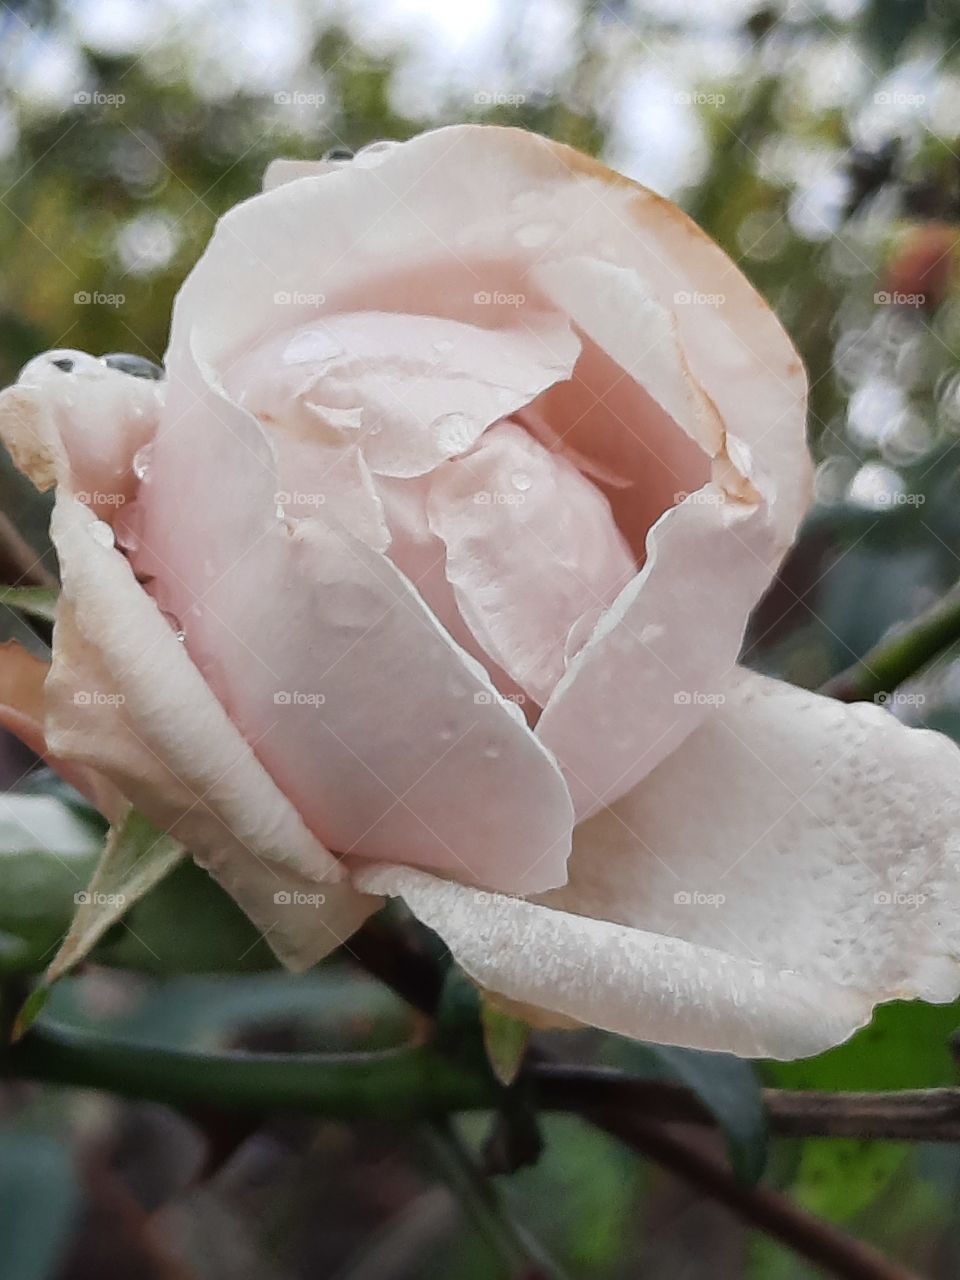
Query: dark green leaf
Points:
[729, 1087]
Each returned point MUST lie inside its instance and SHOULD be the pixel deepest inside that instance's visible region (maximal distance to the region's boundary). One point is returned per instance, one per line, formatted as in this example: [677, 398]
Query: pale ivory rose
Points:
[425, 572]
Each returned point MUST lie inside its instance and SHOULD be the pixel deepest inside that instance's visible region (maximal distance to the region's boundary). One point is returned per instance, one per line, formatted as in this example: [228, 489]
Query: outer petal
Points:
[389, 740]
[531, 548]
[794, 863]
[85, 425]
[126, 700]
[302, 919]
[636, 983]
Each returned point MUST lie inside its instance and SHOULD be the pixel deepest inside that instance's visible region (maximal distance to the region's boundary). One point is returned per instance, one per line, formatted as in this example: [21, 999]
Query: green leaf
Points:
[39, 1201]
[36, 602]
[505, 1039]
[47, 854]
[904, 1047]
[29, 1011]
[136, 857]
[186, 924]
[729, 1087]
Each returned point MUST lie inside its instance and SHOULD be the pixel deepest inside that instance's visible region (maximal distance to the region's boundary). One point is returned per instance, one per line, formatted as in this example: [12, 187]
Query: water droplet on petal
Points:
[455, 432]
[102, 533]
[521, 481]
[141, 461]
[491, 753]
[442, 346]
[175, 625]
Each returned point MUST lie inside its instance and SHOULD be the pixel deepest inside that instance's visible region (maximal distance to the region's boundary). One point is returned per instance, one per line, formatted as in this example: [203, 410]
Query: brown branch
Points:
[820, 1242]
[20, 564]
[908, 1115]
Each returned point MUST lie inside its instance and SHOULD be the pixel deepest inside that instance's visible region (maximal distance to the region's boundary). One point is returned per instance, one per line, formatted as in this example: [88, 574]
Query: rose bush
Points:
[424, 571]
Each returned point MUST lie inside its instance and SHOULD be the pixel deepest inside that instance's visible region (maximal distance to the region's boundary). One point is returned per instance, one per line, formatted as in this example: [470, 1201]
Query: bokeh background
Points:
[819, 143]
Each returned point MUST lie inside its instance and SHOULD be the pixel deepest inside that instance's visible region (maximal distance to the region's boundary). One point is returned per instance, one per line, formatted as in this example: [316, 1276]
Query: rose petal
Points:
[380, 730]
[301, 920]
[84, 424]
[792, 865]
[531, 547]
[795, 832]
[417, 389]
[420, 555]
[128, 702]
[670, 638]
[621, 979]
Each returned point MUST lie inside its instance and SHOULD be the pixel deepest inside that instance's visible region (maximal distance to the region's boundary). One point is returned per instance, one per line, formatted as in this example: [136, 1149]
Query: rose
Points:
[493, 682]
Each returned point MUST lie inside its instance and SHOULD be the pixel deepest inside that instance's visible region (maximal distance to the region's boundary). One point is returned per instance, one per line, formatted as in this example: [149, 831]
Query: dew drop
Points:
[175, 625]
[521, 480]
[127, 540]
[442, 346]
[454, 432]
[141, 461]
[102, 533]
[491, 753]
